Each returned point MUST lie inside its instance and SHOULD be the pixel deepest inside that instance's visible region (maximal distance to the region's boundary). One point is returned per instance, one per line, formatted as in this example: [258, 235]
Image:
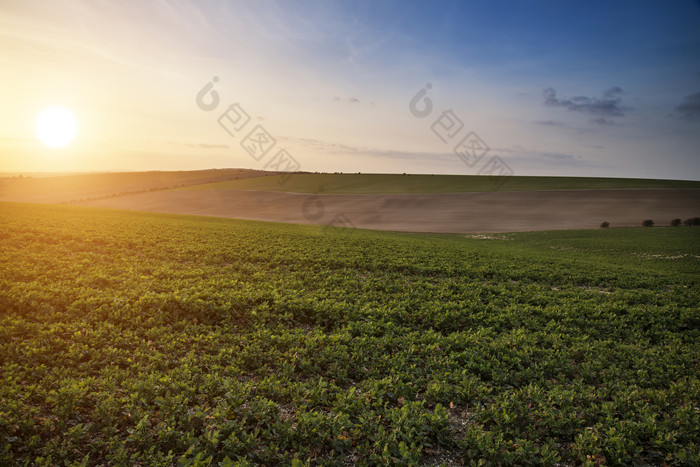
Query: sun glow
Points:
[56, 126]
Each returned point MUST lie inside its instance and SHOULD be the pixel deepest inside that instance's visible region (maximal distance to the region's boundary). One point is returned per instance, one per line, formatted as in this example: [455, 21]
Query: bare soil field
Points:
[453, 213]
[218, 193]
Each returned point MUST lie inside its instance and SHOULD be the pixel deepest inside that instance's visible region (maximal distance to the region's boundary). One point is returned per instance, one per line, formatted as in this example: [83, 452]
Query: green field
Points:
[148, 339]
[392, 183]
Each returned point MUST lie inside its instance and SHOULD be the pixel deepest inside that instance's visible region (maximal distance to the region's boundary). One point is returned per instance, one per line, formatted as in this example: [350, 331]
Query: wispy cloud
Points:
[610, 105]
[199, 145]
[351, 99]
[551, 159]
[550, 123]
[603, 121]
[559, 158]
[690, 108]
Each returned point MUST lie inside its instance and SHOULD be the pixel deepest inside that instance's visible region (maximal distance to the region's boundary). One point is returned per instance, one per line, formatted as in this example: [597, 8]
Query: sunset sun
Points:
[56, 126]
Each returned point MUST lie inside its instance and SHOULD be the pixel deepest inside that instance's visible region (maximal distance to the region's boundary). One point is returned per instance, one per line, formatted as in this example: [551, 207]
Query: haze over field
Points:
[552, 88]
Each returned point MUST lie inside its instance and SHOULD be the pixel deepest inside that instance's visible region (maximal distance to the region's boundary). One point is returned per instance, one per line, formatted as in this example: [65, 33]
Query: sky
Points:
[525, 87]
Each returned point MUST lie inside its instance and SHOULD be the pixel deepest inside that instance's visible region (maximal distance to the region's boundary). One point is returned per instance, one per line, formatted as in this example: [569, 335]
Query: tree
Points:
[605, 225]
[648, 223]
[675, 222]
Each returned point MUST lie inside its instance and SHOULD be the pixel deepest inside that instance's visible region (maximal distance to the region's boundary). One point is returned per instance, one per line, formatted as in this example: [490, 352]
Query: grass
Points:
[150, 339]
[392, 184]
[65, 188]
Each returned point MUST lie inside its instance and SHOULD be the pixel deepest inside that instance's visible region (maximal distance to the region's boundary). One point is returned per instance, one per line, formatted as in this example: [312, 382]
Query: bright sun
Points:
[56, 126]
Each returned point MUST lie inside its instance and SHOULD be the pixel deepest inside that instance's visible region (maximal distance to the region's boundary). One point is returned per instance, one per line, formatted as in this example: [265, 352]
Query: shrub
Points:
[605, 225]
[648, 223]
[675, 222]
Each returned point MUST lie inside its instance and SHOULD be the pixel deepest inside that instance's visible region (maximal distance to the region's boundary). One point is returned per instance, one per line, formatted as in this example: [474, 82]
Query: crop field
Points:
[394, 183]
[151, 339]
[76, 187]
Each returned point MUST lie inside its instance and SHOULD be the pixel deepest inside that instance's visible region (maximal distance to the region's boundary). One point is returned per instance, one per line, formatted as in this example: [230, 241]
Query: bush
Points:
[648, 223]
[605, 225]
[675, 222]
[692, 221]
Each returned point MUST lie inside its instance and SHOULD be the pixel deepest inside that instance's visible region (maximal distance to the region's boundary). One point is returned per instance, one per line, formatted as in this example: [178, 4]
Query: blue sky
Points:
[552, 87]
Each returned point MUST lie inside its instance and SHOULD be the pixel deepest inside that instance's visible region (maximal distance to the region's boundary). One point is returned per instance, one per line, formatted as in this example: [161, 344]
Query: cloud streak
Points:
[610, 105]
[690, 108]
[549, 159]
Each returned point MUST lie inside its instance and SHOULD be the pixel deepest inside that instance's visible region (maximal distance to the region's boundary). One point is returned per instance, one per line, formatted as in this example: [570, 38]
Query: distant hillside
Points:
[81, 187]
[396, 183]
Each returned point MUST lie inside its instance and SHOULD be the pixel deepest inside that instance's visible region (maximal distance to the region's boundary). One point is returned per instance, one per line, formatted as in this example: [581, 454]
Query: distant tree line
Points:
[693, 221]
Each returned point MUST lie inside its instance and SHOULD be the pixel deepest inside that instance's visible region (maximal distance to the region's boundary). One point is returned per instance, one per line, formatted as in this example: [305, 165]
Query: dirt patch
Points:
[454, 213]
